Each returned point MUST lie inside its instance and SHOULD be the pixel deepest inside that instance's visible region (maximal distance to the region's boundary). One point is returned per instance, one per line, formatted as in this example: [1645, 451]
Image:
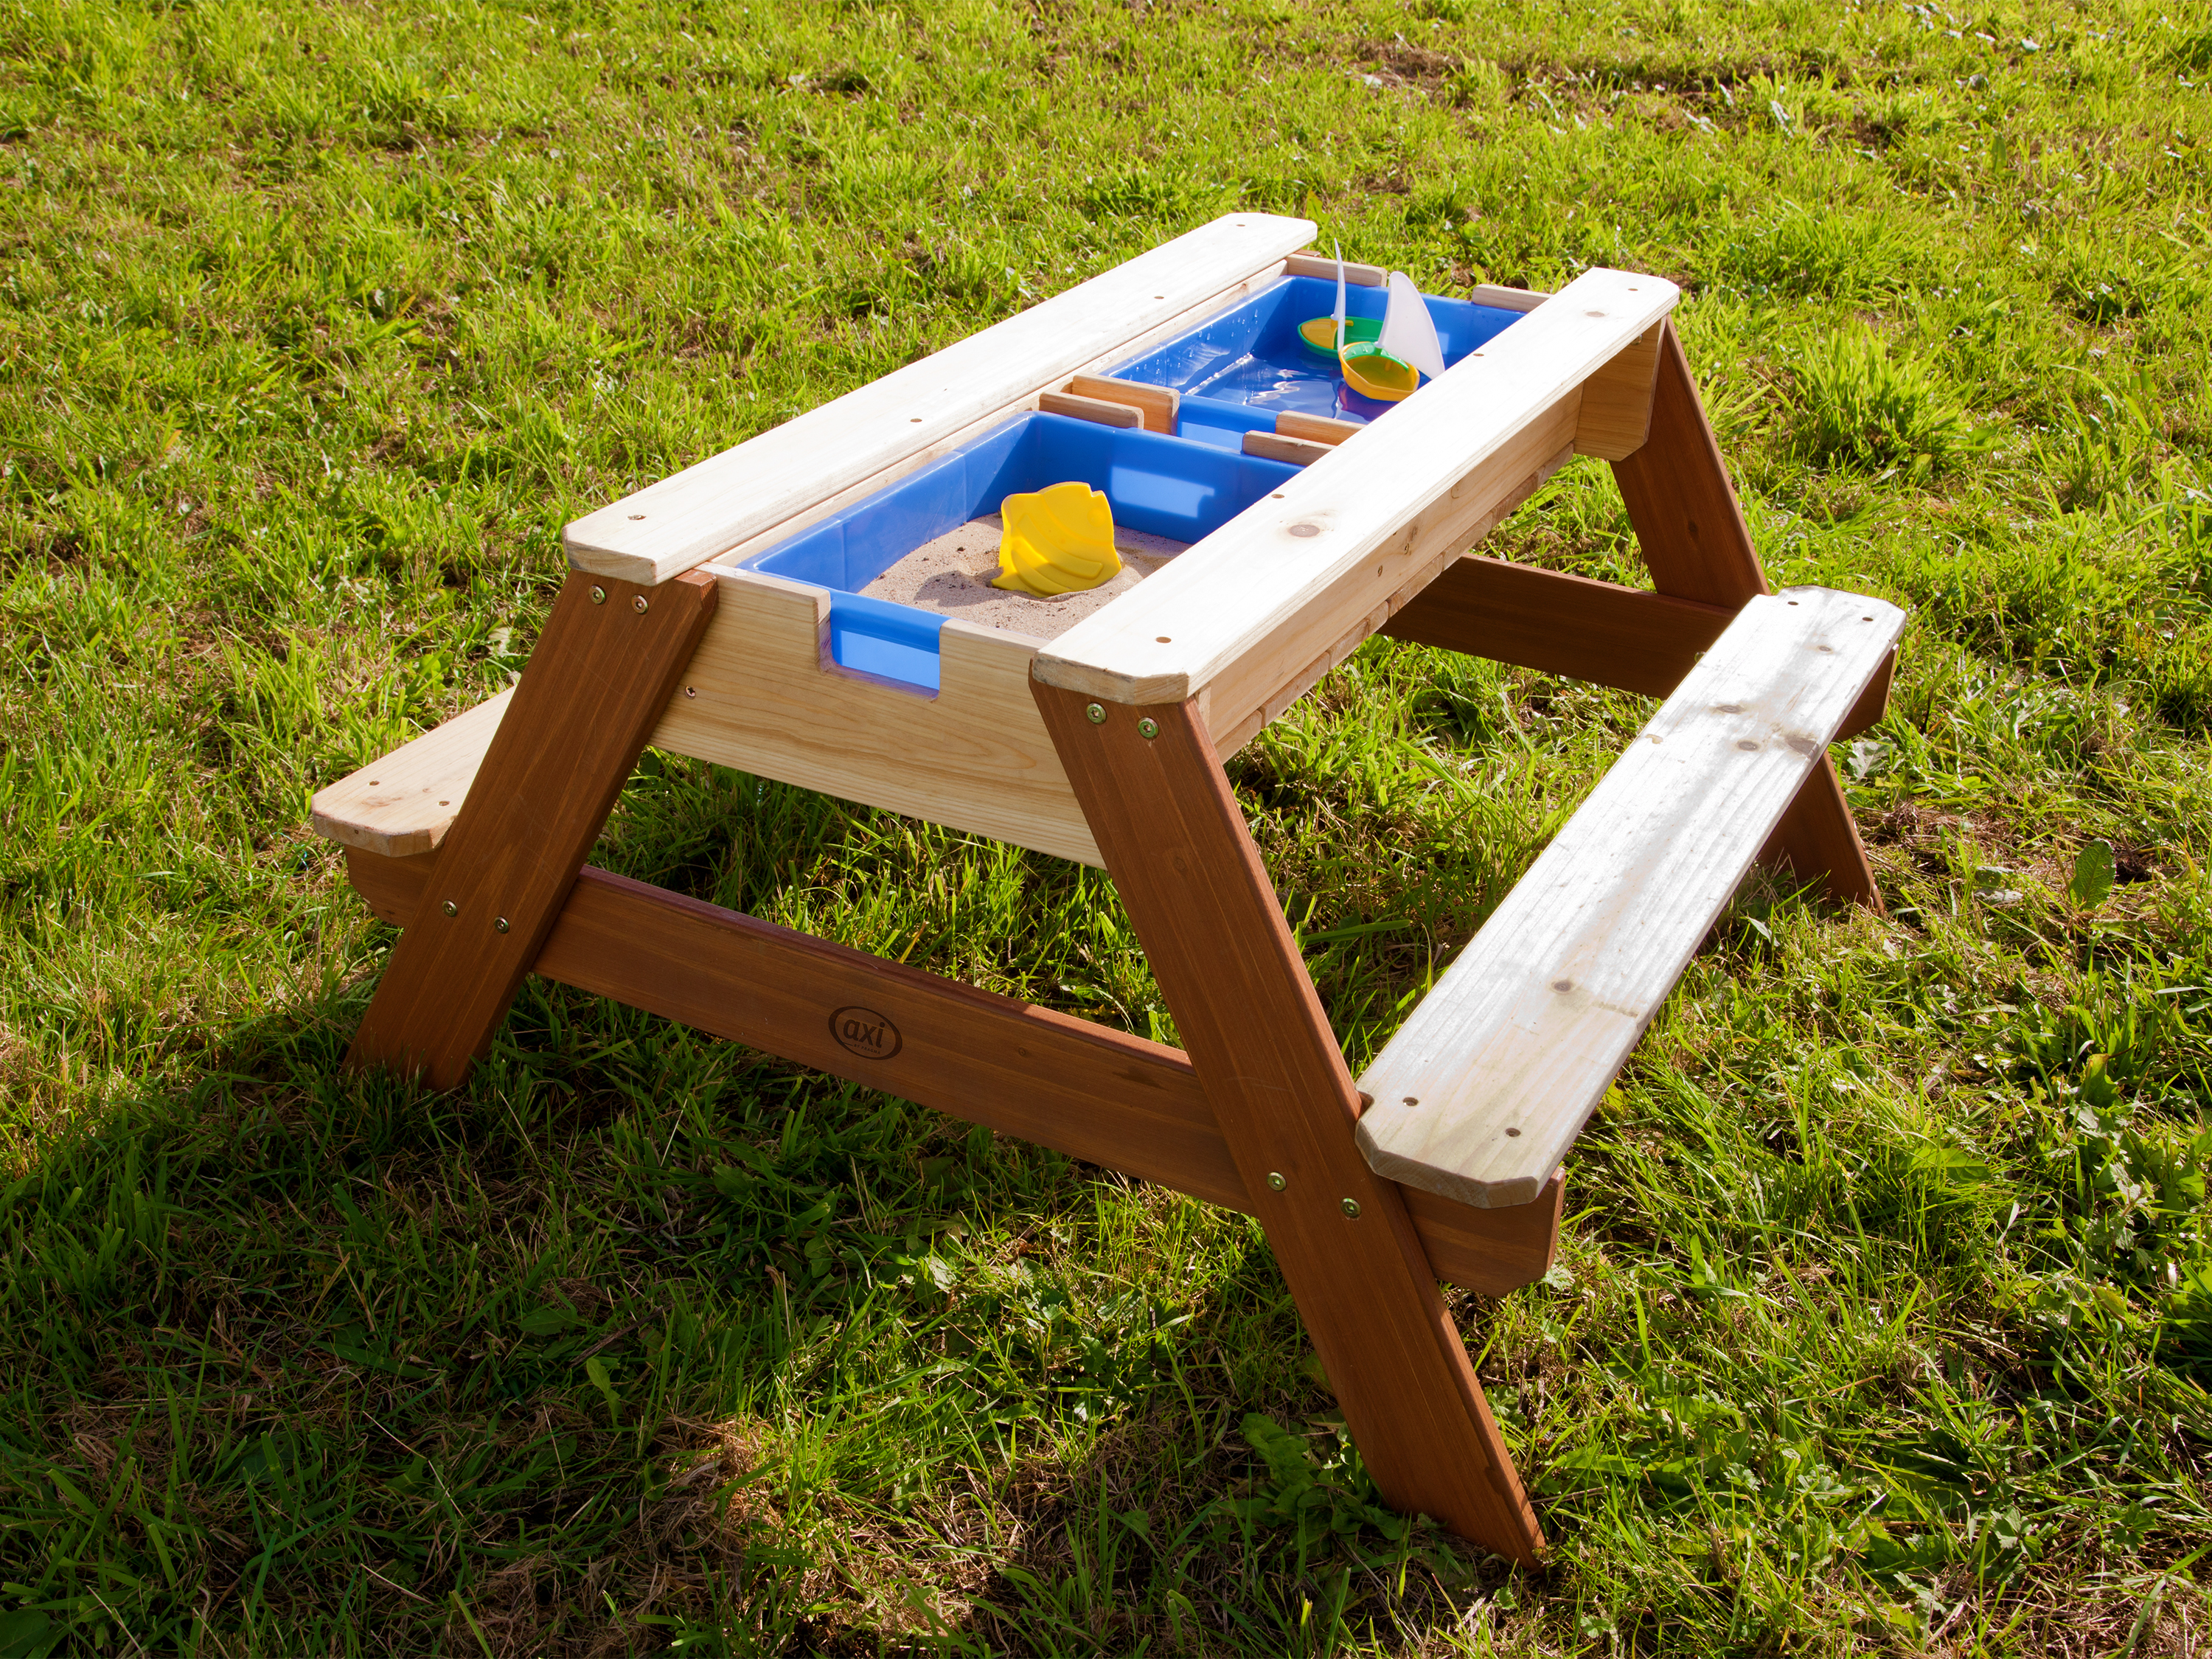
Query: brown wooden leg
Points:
[1176, 847]
[603, 671]
[1698, 547]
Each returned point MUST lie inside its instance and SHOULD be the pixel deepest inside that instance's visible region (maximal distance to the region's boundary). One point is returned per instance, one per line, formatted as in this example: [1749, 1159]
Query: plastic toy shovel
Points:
[1058, 540]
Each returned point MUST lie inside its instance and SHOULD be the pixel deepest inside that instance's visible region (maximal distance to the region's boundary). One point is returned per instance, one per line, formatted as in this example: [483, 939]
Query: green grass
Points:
[1883, 1322]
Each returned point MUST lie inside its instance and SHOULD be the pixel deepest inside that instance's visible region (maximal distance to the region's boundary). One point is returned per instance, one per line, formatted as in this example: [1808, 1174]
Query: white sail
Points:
[1338, 341]
[1409, 333]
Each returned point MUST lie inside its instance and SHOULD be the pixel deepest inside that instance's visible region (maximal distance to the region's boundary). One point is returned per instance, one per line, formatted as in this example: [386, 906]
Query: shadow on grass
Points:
[639, 1338]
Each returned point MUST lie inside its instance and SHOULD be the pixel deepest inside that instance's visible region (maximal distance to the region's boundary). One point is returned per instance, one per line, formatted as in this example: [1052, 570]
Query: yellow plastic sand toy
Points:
[1058, 540]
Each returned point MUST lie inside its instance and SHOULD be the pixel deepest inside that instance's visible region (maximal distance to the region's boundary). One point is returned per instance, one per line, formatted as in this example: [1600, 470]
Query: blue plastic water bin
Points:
[1251, 357]
[1164, 486]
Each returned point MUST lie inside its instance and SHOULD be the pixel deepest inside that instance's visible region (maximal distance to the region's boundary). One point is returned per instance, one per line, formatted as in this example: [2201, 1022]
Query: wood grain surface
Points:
[1263, 595]
[975, 755]
[1696, 544]
[404, 803]
[1161, 406]
[1491, 1077]
[761, 485]
[1176, 847]
[597, 682]
[1093, 1093]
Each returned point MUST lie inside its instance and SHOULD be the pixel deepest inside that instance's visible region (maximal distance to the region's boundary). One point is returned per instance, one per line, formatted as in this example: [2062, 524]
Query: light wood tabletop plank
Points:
[1483, 1089]
[711, 508]
[1282, 579]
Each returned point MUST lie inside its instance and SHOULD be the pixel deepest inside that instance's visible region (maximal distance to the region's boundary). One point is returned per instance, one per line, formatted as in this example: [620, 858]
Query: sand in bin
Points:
[952, 574]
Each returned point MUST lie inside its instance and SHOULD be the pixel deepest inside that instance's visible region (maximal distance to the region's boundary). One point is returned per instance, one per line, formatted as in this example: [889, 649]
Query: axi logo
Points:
[865, 1032]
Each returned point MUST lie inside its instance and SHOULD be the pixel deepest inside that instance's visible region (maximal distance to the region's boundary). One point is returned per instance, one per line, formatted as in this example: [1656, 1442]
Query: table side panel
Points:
[758, 697]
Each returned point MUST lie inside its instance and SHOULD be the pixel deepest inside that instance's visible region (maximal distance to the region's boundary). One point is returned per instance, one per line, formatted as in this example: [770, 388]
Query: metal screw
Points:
[1148, 728]
[1097, 713]
[598, 596]
[1275, 1181]
[498, 924]
[450, 909]
[638, 605]
[1351, 1208]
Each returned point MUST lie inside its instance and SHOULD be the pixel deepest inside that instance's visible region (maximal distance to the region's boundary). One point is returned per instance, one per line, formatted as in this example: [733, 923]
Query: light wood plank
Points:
[1098, 410]
[1160, 405]
[914, 461]
[1310, 264]
[1274, 446]
[1320, 428]
[711, 508]
[1272, 588]
[1506, 299]
[404, 803]
[1473, 518]
[1481, 1091]
[1617, 401]
[758, 697]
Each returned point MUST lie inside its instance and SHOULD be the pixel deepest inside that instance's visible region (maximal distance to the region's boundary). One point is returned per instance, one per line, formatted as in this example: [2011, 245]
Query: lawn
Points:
[1883, 1320]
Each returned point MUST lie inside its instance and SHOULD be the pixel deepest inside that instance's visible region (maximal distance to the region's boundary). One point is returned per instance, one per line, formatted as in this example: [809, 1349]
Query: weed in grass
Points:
[1858, 405]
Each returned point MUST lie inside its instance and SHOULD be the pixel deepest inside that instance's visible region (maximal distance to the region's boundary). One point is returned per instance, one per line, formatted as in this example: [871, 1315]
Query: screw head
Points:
[498, 924]
[638, 605]
[1148, 728]
[1351, 1208]
[1275, 1181]
[1097, 711]
[598, 596]
[450, 907]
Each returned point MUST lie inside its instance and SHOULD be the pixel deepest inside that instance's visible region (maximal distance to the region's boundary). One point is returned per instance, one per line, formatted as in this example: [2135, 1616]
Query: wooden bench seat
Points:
[1489, 1081]
[404, 804]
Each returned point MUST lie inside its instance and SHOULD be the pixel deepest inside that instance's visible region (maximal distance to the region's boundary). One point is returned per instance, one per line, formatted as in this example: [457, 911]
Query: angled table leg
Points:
[603, 669]
[1175, 844]
[1698, 547]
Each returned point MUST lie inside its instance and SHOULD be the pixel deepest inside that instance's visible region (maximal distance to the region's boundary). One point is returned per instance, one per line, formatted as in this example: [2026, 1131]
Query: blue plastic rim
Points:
[1237, 372]
[1161, 485]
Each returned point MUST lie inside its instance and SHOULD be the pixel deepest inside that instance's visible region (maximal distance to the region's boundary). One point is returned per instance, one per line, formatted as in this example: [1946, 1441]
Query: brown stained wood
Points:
[1093, 1093]
[596, 684]
[1696, 545]
[1318, 429]
[1561, 624]
[1580, 630]
[1515, 1244]
[1095, 409]
[1160, 405]
[1274, 446]
[1175, 844]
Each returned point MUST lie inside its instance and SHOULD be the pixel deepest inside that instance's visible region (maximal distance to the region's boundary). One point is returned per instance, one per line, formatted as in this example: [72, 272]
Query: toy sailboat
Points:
[1383, 361]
